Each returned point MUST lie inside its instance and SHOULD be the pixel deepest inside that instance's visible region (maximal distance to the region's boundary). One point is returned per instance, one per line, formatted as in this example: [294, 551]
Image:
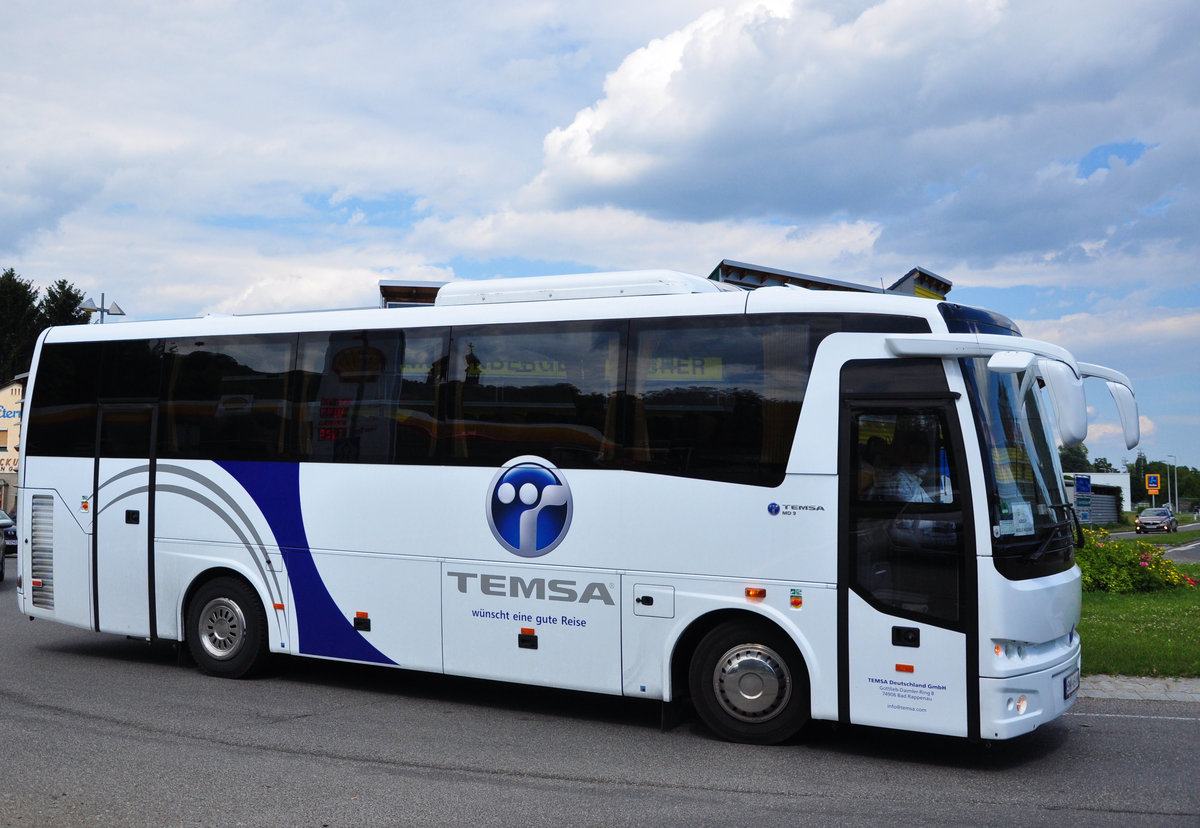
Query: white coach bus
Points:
[782, 504]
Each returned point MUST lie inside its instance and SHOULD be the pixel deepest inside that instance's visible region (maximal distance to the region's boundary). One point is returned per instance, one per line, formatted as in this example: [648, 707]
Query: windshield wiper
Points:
[1052, 531]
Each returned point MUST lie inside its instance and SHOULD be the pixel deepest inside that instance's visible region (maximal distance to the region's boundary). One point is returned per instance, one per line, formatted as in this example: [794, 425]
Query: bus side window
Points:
[369, 396]
[717, 398]
[227, 398]
[548, 389]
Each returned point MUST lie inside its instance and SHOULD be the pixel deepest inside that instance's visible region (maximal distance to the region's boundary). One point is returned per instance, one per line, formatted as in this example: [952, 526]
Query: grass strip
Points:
[1143, 633]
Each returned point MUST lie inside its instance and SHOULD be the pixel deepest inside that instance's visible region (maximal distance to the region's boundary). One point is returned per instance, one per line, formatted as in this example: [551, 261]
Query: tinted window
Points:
[906, 538]
[369, 396]
[226, 398]
[718, 398]
[125, 431]
[550, 389]
[894, 376]
[131, 370]
[711, 397]
[60, 418]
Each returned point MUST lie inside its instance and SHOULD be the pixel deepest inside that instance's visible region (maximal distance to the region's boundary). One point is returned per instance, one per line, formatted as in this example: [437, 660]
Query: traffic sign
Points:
[1083, 484]
[1152, 484]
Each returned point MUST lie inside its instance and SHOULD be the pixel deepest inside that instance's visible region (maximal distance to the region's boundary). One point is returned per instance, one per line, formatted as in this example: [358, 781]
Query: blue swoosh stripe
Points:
[322, 628]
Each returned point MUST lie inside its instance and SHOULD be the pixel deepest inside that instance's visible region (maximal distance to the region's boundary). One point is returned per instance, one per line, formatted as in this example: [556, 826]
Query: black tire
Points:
[227, 629]
[749, 684]
[1, 567]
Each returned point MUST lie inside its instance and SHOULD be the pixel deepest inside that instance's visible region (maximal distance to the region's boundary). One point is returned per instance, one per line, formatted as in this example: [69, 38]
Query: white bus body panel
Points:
[571, 615]
[911, 688]
[71, 561]
[1046, 698]
[121, 574]
[1034, 624]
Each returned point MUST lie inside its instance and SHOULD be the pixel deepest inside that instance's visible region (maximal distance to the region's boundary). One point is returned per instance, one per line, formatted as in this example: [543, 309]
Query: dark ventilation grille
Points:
[42, 575]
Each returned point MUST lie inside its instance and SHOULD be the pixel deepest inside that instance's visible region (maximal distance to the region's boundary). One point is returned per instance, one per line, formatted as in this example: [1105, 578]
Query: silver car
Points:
[1156, 520]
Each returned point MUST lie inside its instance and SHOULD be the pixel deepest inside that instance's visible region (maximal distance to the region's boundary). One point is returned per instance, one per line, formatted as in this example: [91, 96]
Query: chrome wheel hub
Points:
[222, 628]
[752, 683]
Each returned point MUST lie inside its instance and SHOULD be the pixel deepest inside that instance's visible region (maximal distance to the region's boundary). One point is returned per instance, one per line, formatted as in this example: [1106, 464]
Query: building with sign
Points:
[1108, 493]
[12, 397]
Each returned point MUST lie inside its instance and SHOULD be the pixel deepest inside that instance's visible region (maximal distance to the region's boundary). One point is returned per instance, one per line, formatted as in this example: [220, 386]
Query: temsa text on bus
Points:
[541, 589]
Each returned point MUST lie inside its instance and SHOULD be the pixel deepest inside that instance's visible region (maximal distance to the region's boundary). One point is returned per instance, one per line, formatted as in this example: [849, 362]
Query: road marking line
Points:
[1135, 716]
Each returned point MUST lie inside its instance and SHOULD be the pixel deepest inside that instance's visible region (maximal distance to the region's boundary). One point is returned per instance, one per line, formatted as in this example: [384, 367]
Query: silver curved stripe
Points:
[245, 531]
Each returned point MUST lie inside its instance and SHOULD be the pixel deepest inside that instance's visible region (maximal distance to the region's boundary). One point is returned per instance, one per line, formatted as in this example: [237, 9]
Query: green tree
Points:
[23, 317]
[1189, 483]
[18, 324]
[1137, 479]
[1101, 465]
[61, 306]
[1074, 458]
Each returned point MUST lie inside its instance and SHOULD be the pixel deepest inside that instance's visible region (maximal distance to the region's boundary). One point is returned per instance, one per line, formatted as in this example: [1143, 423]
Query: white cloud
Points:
[1124, 337]
[609, 238]
[955, 125]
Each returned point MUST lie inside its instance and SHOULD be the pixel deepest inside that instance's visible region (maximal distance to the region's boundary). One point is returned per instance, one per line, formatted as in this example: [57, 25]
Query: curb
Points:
[1143, 688]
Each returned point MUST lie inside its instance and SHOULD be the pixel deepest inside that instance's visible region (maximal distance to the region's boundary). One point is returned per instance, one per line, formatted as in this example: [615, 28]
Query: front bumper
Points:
[1045, 699]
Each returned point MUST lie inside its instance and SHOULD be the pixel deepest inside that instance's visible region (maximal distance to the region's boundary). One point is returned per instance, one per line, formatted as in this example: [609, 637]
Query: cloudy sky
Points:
[218, 156]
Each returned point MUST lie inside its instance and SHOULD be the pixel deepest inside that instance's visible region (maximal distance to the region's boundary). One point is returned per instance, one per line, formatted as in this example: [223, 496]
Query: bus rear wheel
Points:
[227, 629]
[749, 684]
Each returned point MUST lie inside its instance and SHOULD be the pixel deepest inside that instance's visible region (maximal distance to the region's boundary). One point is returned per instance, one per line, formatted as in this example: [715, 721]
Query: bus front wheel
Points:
[749, 684]
[227, 629]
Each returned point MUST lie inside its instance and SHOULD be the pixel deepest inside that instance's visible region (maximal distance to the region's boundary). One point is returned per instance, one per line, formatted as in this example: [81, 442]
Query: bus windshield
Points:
[1032, 525]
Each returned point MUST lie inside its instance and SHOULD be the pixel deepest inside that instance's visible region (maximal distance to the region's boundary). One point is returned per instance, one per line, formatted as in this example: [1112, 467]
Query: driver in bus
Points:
[901, 474]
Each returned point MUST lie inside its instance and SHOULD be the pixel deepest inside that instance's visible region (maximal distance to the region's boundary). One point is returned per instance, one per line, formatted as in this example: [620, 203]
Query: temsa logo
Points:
[539, 589]
[529, 506]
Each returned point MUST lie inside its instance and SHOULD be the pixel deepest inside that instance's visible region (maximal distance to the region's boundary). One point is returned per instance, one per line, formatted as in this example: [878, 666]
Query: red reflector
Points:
[756, 593]
[904, 668]
[360, 615]
[278, 606]
[37, 582]
[527, 631]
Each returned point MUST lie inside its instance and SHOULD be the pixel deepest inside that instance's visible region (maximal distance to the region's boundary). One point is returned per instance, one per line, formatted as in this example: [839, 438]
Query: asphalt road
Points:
[1184, 553]
[96, 729]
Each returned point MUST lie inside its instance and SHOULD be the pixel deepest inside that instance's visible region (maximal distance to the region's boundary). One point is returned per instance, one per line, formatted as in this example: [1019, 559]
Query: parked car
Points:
[1156, 520]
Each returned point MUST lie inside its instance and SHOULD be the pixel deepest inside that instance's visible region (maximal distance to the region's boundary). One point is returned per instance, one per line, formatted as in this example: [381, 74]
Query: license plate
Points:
[1070, 684]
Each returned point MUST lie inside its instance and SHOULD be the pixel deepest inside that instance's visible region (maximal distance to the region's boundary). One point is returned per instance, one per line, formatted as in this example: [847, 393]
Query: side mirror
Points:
[1122, 394]
[1066, 395]
[1010, 362]
[1127, 407]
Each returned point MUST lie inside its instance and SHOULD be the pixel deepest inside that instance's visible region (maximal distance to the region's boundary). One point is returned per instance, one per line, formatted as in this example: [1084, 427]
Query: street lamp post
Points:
[1175, 483]
[91, 307]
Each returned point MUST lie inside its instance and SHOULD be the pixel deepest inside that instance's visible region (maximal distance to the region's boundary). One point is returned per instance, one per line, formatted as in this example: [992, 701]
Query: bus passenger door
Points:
[906, 595]
[123, 520]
